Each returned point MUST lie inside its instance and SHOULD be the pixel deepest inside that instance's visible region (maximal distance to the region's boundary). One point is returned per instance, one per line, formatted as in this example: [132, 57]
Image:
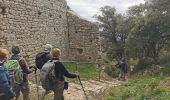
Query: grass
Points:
[87, 71]
[140, 88]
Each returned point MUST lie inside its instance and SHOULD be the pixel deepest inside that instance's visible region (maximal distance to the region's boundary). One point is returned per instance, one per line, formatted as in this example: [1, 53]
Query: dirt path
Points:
[94, 90]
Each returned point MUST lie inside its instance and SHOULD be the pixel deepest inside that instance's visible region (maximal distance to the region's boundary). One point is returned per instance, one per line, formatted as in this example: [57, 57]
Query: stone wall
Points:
[84, 42]
[33, 23]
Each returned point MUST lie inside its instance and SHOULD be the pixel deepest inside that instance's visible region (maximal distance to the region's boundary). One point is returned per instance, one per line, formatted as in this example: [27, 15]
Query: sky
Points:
[88, 8]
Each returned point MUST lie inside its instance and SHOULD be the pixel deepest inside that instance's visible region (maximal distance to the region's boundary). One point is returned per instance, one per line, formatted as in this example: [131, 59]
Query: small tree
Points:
[150, 33]
[112, 31]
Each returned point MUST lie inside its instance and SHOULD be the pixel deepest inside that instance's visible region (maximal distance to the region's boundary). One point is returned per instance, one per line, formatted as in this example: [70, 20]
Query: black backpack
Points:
[41, 59]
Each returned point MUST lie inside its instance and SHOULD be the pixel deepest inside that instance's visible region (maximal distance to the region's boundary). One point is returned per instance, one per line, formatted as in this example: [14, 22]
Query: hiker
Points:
[55, 80]
[43, 57]
[123, 66]
[24, 85]
[6, 93]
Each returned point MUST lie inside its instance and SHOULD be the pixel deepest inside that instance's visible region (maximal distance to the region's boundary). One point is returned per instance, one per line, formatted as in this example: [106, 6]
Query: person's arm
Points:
[26, 70]
[24, 66]
[5, 86]
[65, 72]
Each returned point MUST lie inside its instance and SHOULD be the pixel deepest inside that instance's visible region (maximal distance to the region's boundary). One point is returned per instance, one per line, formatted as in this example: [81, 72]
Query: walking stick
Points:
[82, 87]
[37, 84]
[44, 95]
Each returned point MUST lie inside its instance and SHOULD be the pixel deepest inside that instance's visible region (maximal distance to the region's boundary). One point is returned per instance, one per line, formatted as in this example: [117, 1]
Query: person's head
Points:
[15, 50]
[4, 54]
[123, 60]
[48, 47]
[56, 52]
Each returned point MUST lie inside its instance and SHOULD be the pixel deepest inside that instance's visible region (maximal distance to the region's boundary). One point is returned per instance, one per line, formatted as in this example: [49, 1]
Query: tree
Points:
[151, 32]
[112, 31]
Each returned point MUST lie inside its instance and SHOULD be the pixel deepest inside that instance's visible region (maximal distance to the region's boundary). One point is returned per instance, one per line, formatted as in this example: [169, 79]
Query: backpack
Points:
[124, 67]
[41, 59]
[15, 71]
[47, 75]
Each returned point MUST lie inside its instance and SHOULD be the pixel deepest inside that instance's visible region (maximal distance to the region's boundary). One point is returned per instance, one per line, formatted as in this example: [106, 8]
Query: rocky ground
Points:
[95, 90]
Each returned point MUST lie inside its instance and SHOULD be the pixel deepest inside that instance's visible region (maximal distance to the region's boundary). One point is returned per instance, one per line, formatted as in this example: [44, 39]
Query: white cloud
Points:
[88, 8]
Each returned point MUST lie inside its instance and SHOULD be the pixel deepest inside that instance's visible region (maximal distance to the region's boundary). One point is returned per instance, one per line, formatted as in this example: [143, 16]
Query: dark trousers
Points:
[24, 88]
[58, 91]
[4, 97]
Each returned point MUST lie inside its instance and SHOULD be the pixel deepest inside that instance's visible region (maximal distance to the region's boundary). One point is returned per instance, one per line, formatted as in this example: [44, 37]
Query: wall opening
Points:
[80, 51]
[91, 41]
[50, 15]
[39, 12]
[60, 16]
[3, 10]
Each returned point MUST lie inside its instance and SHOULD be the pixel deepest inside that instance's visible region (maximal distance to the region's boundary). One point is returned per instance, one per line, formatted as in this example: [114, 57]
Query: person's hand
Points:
[33, 68]
[77, 74]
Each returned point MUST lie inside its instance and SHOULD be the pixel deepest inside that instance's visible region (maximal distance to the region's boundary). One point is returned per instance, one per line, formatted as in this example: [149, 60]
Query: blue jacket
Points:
[5, 83]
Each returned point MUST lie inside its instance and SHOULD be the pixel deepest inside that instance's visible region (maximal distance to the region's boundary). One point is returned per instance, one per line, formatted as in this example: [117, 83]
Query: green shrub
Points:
[139, 88]
[164, 59]
[111, 71]
[144, 63]
[87, 71]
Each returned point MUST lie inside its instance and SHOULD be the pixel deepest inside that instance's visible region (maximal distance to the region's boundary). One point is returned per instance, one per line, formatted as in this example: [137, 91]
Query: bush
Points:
[144, 63]
[164, 59]
[139, 88]
[111, 71]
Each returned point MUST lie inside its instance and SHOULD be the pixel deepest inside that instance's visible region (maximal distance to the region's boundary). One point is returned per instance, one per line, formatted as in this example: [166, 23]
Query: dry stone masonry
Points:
[83, 38]
[32, 23]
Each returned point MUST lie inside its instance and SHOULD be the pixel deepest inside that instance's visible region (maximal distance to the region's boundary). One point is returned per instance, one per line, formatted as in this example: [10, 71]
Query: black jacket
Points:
[61, 71]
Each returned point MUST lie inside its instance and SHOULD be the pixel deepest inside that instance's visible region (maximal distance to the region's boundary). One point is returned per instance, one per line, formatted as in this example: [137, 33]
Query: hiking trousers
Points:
[122, 75]
[58, 90]
[4, 97]
[24, 88]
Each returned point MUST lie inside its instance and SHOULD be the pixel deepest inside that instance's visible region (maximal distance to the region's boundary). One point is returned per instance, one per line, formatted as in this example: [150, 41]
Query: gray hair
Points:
[48, 47]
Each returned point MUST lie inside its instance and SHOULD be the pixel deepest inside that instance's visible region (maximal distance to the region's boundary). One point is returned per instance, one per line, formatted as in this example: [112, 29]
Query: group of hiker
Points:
[14, 72]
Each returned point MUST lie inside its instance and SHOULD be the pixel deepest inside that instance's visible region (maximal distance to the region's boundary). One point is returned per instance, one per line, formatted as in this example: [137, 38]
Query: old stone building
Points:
[32, 23]
[83, 38]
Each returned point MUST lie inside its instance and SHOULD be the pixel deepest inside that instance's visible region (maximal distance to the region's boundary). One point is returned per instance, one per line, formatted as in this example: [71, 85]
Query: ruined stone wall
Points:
[83, 35]
[33, 23]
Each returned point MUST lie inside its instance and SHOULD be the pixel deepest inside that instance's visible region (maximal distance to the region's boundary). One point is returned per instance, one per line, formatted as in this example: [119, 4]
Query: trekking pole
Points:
[44, 95]
[82, 88]
[37, 84]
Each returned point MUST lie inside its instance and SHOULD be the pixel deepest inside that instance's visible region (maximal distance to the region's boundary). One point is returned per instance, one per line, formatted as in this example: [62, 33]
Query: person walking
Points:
[6, 93]
[24, 86]
[57, 83]
[123, 66]
[43, 57]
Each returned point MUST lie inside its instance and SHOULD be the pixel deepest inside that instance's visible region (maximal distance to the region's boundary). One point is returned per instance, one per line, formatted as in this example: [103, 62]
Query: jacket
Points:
[5, 83]
[61, 71]
[24, 67]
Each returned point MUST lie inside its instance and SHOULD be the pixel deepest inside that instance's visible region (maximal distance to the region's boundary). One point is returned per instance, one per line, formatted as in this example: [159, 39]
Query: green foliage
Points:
[113, 31]
[164, 59]
[87, 71]
[111, 71]
[166, 69]
[144, 63]
[109, 67]
[139, 88]
[150, 32]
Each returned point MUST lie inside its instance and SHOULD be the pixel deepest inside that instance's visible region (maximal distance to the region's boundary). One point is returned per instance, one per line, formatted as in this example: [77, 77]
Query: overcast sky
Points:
[88, 8]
